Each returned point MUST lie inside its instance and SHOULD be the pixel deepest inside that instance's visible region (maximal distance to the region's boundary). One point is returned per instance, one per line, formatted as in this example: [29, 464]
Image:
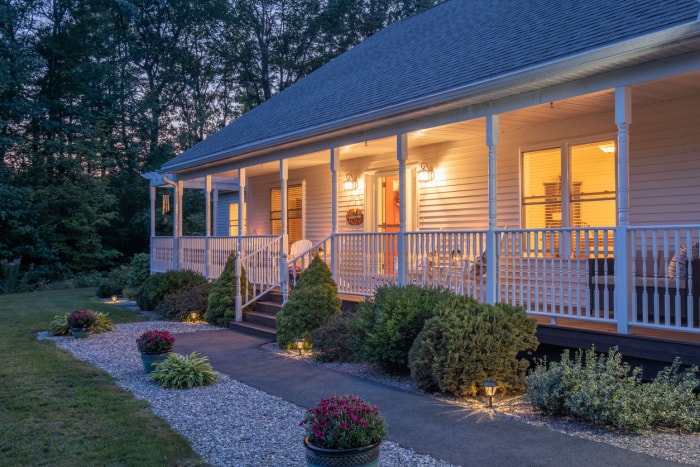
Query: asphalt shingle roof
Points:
[448, 46]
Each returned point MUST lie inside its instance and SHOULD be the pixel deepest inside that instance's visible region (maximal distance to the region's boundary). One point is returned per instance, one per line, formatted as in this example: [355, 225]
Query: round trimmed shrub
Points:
[332, 340]
[469, 343]
[387, 325]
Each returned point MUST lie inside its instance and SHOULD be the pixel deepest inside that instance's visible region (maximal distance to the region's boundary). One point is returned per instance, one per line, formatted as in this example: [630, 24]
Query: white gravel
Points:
[228, 423]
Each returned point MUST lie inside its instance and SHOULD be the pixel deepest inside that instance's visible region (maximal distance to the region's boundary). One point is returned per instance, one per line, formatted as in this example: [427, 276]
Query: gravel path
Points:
[230, 423]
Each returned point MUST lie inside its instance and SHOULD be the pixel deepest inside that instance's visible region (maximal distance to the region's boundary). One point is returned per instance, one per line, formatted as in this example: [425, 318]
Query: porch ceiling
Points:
[589, 104]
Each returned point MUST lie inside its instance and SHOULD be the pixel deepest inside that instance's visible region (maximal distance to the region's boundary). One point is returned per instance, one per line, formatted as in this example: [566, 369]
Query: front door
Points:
[388, 218]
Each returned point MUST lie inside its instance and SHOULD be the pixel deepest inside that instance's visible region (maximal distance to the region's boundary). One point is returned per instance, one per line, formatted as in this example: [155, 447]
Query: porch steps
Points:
[262, 320]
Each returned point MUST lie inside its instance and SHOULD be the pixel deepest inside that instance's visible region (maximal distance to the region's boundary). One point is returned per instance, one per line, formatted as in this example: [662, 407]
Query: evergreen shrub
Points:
[313, 300]
[387, 325]
[158, 286]
[221, 304]
[139, 270]
[468, 342]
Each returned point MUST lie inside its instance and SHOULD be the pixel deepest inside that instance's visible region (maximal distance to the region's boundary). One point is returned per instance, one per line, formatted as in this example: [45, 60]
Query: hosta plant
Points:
[155, 341]
[344, 422]
[184, 372]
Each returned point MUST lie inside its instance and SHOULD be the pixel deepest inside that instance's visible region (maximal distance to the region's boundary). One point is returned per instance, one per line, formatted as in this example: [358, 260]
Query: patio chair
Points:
[299, 264]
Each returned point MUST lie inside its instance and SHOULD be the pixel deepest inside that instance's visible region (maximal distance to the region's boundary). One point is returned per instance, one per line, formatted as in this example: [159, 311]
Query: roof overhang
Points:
[668, 43]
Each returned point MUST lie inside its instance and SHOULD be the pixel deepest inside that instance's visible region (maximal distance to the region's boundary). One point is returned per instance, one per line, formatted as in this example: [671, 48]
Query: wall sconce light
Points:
[350, 183]
[425, 174]
[300, 344]
[490, 390]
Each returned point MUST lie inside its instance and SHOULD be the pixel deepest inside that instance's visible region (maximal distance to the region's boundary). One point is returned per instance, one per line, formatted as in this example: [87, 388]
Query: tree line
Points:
[93, 93]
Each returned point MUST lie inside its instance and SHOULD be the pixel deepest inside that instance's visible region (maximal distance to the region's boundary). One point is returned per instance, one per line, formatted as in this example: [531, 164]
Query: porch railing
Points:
[560, 274]
[262, 268]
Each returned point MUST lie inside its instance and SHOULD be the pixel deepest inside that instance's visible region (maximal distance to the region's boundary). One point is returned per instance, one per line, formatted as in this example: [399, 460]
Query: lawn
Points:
[57, 411]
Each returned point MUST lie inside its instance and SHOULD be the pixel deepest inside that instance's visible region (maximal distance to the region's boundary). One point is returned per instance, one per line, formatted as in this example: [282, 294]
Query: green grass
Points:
[58, 411]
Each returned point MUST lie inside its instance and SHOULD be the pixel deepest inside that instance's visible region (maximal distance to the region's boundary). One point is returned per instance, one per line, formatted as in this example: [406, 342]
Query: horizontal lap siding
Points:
[665, 163]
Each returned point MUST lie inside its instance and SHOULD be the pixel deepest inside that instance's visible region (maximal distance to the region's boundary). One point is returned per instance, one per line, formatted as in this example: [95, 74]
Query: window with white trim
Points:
[295, 225]
[570, 186]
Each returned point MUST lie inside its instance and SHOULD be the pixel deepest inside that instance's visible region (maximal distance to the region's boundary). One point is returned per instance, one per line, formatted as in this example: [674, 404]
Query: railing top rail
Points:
[664, 227]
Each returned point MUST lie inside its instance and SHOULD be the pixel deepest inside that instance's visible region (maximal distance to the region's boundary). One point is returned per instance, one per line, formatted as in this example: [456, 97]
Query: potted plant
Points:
[154, 345]
[81, 322]
[343, 427]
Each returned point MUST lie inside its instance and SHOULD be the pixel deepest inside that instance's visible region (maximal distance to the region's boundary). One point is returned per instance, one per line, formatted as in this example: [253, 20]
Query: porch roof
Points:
[455, 51]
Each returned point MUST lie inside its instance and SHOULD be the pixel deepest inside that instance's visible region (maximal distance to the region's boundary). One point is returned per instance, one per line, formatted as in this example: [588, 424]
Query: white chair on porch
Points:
[300, 263]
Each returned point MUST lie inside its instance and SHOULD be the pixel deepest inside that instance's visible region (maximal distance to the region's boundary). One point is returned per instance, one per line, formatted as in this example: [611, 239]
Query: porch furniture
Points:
[299, 264]
[654, 291]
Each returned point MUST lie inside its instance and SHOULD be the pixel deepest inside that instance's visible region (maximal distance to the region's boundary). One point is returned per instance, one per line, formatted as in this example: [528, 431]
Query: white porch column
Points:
[335, 166]
[241, 203]
[492, 243]
[623, 118]
[284, 273]
[402, 156]
[241, 200]
[207, 217]
[177, 223]
[215, 208]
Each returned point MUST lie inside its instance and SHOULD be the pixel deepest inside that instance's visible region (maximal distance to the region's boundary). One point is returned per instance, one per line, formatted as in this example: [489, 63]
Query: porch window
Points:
[570, 187]
[295, 203]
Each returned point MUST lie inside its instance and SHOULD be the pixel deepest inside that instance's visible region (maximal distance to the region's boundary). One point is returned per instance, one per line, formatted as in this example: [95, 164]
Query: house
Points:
[544, 154]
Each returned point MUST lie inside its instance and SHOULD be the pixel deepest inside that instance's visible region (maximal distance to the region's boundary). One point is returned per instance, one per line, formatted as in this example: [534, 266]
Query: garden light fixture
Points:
[300, 344]
[490, 390]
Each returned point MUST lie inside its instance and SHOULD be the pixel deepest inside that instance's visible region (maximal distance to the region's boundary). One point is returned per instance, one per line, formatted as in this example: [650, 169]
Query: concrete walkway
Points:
[461, 436]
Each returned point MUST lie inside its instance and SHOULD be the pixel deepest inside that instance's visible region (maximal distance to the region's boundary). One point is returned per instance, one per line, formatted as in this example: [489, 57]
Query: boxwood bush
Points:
[468, 342]
[387, 325]
[313, 300]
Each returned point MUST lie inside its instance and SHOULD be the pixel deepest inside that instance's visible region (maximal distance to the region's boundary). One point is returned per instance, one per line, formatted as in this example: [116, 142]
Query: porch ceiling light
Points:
[350, 183]
[426, 173]
[607, 148]
[490, 390]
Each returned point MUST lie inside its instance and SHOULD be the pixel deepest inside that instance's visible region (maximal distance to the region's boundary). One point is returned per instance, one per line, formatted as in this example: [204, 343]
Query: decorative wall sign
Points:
[355, 216]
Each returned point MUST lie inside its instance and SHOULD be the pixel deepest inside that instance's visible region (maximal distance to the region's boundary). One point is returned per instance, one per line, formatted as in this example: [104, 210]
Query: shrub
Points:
[332, 340]
[158, 286]
[387, 325]
[468, 343]
[60, 326]
[605, 390]
[221, 304]
[107, 288]
[177, 306]
[311, 303]
[183, 372]
[139, 270]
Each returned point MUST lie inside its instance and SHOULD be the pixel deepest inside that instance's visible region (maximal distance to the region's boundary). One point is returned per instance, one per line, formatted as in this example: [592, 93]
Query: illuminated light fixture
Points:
[300, 344]
[425, 174]
[114, 298]
[607, 148]
[490, 390]
[350, 183]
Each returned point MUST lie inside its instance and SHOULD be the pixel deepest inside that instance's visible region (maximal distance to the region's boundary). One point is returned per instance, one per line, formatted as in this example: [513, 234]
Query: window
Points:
[295, 224]
[233, 219]
[570, 188]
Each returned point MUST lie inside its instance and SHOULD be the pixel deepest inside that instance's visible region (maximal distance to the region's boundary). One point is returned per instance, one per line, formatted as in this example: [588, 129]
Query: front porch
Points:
[576, 278]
